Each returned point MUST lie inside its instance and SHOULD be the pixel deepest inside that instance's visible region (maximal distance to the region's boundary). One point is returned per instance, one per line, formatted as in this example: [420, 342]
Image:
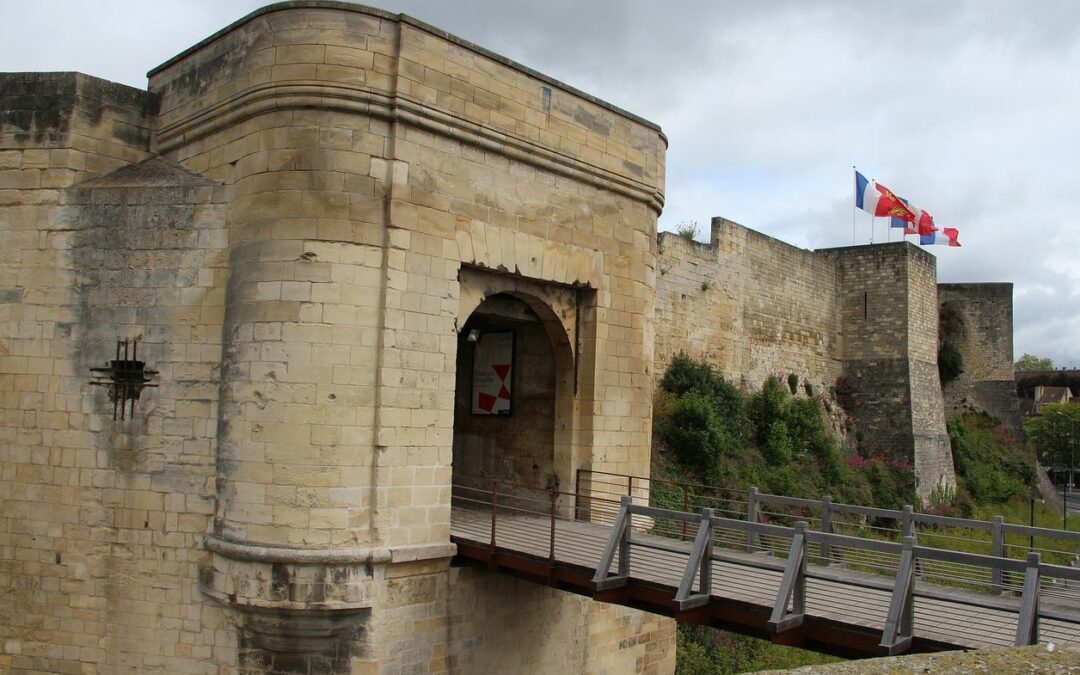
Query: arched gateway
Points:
[514, 409]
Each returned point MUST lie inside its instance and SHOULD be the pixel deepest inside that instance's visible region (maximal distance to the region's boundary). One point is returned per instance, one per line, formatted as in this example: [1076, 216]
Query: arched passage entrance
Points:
[514, 403]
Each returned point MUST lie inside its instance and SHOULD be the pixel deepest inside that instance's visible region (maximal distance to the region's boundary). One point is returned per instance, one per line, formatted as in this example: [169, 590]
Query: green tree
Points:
[1032, 362]
[1056, 433]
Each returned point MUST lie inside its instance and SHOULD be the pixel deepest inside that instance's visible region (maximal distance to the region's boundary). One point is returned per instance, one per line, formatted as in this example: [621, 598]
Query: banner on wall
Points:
[493, 361]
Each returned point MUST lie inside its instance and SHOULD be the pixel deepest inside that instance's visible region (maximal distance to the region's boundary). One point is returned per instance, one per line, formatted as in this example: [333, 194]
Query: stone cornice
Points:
[316, 556]
[338, 97]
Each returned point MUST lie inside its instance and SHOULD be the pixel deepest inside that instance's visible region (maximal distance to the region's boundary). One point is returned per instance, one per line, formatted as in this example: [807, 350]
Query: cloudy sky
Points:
[970, 109]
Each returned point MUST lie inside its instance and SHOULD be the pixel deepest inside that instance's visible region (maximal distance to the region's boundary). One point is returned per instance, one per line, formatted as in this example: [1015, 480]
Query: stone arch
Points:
[532, 309]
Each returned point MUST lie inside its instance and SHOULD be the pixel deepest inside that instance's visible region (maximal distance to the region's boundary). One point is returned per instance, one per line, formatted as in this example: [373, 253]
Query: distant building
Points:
[1036, 389]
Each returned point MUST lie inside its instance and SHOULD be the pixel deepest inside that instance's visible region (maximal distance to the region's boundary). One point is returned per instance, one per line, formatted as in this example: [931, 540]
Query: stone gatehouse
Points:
[236, 306]
[247, 319]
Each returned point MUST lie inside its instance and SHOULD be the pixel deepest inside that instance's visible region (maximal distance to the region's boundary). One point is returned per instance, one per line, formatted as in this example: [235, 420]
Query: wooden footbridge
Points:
[837, 578]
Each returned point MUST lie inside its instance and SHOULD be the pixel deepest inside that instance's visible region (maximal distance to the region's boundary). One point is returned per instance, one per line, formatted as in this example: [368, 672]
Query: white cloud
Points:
[970, 108]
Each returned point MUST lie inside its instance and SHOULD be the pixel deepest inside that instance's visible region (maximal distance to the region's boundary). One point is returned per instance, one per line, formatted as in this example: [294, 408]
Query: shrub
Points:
[694, 432]
[893, 485]
[804, 420]
[991, 464]
[950, 362]
[686, 375]
[766, 407]
[708, 425]
[688, 230]
[793, 383]
[777, 450]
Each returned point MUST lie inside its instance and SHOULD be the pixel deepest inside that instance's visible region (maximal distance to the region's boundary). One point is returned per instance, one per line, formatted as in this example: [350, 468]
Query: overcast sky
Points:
[970, 109]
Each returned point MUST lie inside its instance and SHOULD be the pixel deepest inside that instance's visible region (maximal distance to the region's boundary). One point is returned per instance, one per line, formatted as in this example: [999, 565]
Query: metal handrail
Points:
[755, 501]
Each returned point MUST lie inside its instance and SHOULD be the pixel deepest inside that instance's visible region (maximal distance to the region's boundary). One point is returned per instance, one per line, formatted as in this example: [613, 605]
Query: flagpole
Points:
[871, 225]
[855, 182]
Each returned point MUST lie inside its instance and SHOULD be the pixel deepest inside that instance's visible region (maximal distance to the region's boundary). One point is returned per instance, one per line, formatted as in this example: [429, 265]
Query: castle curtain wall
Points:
[757, 308]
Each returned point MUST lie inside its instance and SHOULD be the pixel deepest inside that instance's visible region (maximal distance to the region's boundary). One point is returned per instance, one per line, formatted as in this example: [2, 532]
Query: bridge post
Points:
[826, 528]
[1027, 622]
[792, 586]
[551, 550]
[899, 630]
[907, 520]
[494, 506]
[618, 541]
[998, 551]
[624, 540]
[752, 513]
[685, 507]
[698, 563]
[578, 509]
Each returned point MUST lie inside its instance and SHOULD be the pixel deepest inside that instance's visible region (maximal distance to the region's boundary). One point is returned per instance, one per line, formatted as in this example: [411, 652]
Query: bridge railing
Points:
[598, 493]
[512, 513]
[649, 542]
[905, 559]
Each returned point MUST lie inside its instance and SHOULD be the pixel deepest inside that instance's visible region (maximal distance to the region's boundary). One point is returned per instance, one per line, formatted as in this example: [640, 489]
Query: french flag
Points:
[878, 200]
[948, 236]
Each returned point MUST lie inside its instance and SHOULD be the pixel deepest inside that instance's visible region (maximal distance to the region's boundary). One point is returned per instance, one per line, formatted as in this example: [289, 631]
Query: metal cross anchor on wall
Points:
[126, 378]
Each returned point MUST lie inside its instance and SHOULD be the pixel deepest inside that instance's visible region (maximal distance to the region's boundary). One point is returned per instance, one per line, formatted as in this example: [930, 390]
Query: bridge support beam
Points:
[1027, 623]
[619, 541]
[792, 587]
[699, 564]
[898, 634]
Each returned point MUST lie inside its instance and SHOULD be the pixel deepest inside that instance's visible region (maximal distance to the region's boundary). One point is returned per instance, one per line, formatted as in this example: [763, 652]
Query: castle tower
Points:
[889, 335]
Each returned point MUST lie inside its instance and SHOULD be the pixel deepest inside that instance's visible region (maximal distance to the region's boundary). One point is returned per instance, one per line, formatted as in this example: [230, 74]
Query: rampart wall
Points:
[978, 320]
[757, 307]
[752, 305]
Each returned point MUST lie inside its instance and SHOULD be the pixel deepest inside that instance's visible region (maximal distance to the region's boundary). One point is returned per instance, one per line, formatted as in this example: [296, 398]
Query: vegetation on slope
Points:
[707, 432]
[992, 465]
[714, 434]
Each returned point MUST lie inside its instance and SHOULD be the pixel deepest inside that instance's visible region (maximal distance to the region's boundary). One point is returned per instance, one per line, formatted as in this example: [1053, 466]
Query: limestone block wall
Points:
[331, 191]
[522, 637]
[979, 320]
[933, 453]
[750, 304]
[102, 519]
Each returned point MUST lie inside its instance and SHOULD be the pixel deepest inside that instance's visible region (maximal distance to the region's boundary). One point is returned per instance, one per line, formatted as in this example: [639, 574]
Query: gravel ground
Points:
[1037, 659]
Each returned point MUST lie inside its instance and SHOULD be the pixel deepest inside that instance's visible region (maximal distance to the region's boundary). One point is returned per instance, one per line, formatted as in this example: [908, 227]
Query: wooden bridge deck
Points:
[845, 610]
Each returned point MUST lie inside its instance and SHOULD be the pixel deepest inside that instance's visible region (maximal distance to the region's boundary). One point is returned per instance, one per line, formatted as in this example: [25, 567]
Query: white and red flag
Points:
[948, 236]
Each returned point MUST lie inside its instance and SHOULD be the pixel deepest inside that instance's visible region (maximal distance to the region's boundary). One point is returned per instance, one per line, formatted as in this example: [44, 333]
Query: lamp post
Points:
[1066, 485]
[1031, 522]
